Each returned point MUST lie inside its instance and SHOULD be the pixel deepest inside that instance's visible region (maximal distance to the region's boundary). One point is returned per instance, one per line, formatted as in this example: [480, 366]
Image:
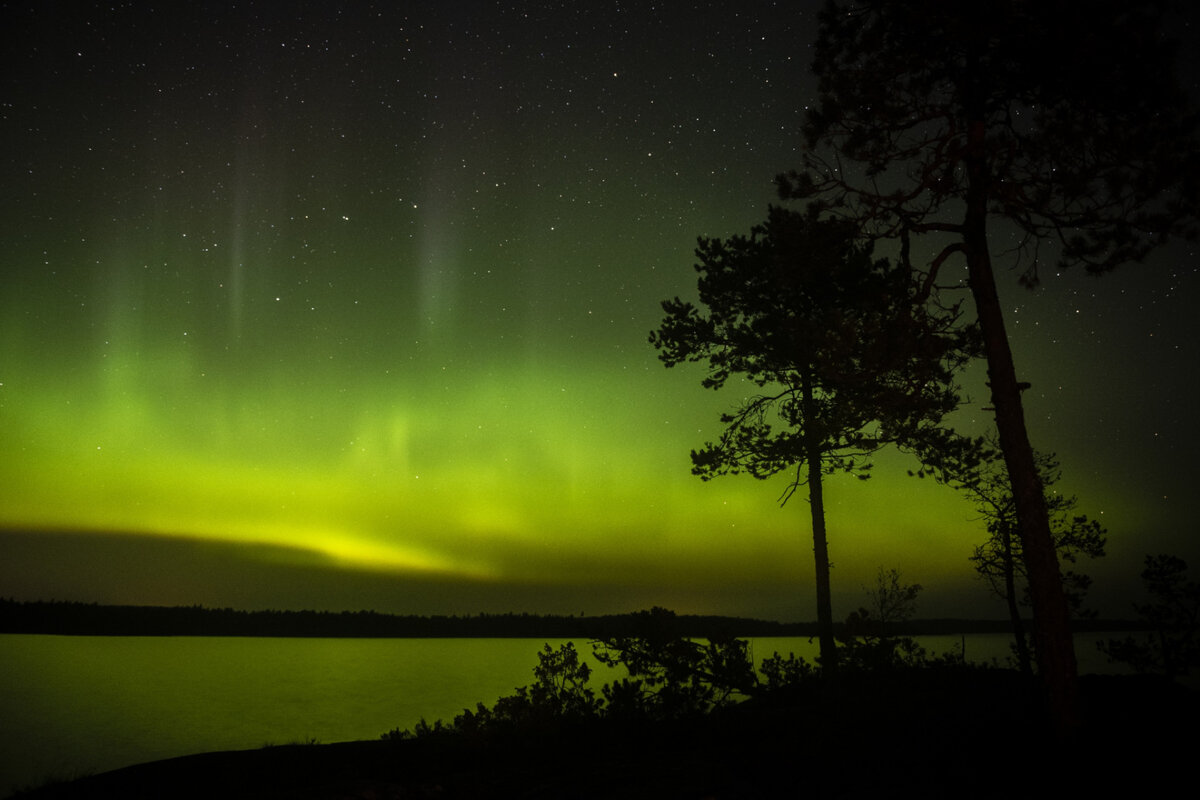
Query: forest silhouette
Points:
[71, 618]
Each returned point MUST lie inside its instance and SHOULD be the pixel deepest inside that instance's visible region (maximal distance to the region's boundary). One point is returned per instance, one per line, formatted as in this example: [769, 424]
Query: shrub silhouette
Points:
[669, 677]
[675, 677]
[559, 695]
[1173, 615]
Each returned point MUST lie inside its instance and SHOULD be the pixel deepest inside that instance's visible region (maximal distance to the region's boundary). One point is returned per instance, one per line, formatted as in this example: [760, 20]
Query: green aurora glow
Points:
[380, 304]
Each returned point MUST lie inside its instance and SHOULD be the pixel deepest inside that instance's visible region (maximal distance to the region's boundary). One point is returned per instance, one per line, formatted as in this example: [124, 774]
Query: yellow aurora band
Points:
[551, 475]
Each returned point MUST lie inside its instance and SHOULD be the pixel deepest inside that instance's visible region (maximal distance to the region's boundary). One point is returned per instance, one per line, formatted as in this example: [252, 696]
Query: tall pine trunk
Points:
[1052, 633]
[816, 502]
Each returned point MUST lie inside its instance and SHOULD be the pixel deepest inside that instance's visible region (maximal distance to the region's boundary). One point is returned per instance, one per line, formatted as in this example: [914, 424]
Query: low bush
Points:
[669, 677]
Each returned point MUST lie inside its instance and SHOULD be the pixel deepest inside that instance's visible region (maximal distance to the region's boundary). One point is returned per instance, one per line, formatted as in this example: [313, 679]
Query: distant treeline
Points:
[93, 619]
[73, 618]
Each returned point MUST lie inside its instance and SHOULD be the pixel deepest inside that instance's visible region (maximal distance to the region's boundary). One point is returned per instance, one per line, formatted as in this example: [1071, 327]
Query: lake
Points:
[73, 705]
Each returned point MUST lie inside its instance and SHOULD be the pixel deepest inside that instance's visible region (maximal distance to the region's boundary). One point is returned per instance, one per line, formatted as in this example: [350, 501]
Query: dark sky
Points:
[346, 309]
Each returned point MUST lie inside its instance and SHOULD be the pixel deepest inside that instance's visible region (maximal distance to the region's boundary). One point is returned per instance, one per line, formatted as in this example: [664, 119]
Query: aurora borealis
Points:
[349, 309]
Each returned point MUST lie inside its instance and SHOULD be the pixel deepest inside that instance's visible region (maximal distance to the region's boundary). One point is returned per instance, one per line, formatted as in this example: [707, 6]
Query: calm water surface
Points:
[78, 704]
[72, 705]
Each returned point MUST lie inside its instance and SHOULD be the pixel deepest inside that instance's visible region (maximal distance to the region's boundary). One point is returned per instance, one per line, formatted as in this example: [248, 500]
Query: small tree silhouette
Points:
[975, 467]
[1173, 614]
[869, 637]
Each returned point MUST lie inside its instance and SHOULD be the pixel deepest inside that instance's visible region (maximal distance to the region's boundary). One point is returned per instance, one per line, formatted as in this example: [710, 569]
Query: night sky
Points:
[349, 309]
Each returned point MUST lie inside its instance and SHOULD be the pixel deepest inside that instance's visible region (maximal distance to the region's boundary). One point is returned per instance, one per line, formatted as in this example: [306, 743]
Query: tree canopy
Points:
[844, 359]
[1085, 135]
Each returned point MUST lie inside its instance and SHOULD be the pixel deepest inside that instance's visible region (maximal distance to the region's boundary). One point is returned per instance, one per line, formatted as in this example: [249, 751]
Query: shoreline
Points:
[861, 738]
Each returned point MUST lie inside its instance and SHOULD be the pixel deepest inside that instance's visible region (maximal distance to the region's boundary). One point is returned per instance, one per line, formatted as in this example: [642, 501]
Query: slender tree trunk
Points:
[1014, 608]
[816, 502]
[821, 556]
[1051, 617]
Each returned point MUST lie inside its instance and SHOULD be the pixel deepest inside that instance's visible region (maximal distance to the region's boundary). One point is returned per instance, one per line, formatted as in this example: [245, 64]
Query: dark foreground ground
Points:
[952, 734]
